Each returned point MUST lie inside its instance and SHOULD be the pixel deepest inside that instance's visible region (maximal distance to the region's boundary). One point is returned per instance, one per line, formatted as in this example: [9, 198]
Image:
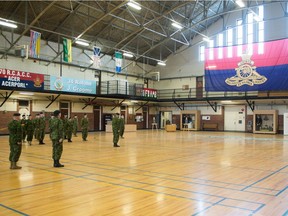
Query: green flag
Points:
[67, 50]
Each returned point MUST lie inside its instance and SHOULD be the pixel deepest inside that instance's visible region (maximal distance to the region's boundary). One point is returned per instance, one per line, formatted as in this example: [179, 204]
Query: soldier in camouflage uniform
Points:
[75, 125]
[122, 126]
[23, 124]
[116, 127]
[84, 127]
[15, 140]
[69, 129]
[29, 129]
[49, 123]
[56, 128]
[36, 126]
[42, 125]
[65, 125]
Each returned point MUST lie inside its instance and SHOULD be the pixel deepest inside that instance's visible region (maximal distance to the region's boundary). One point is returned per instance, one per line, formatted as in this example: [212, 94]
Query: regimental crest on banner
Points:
[246, 74]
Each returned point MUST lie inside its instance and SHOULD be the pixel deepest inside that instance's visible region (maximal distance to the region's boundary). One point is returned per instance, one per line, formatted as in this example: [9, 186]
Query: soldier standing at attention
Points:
[65, 125]
[69, 129]
[29, 129]
[23, 124]
[49, 122]
[84, 127]
[57, 138]
[36, 126]
[75, 125]
[15, 140]
[122, 126]
[115, 128]
[42, 125]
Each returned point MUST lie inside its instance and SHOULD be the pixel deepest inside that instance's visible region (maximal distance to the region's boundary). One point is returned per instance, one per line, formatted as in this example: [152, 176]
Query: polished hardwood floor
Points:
[152, 173]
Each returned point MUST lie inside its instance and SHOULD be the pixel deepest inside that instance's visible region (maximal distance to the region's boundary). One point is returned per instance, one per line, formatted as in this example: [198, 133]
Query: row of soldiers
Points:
[36, 127]
[20, 128]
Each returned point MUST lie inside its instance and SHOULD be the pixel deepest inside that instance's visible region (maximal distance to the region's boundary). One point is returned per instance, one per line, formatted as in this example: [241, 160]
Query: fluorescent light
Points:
[129, 55]
[83, 43]
[134, 101]
[8, 23]
[240, 3]
[134, 5]
[161, 63]
[176, 25]
[26, 93]
[206, 39]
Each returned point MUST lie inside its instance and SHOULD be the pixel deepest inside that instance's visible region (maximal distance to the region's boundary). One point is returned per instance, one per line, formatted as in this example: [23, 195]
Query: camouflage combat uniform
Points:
[84, 127]
[29, 130]
[69, 129]
[115, 127]
[121, 127]
[42, 125]
[56, 128]
[15, 142]
[65, 125]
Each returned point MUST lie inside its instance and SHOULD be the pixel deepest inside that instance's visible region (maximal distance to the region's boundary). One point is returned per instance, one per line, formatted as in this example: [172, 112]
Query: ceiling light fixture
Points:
[161, 63]
[129, 55]
[83, 43]
[240, 3]
[134, 5]
[176, 25]
[8, 23]
[26, 93]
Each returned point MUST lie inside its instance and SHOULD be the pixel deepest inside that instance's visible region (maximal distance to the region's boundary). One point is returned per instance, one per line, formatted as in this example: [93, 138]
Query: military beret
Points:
[41, 112]
[56, 112]
[16, 114]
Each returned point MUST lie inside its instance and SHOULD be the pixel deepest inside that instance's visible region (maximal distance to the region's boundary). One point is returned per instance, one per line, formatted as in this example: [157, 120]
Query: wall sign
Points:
[21, 79]
[72, 85]
[150, 93]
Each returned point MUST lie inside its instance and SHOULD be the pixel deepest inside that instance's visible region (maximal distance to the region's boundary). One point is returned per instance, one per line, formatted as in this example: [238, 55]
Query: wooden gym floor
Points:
[152, 173]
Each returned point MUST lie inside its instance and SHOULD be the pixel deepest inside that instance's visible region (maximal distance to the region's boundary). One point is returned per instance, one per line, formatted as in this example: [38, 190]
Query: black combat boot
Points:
[14, 166]
[59, 165]
[116, 145]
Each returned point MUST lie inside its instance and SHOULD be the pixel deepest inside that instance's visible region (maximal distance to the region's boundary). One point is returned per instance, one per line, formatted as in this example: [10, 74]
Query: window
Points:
[202, 53]
[250, 33]
[211, 50]
[220, 46]
[239, 37]
[229, 41]
[261, 30]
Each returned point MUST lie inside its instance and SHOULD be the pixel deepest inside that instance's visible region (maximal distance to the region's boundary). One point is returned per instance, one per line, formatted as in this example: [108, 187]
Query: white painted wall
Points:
[77, 108]
[9, 106]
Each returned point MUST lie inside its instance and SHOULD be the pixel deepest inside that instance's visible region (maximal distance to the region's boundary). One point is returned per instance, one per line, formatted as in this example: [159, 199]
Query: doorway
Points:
[97, 118]
[165, 118]
[234, 118]
[65, 109]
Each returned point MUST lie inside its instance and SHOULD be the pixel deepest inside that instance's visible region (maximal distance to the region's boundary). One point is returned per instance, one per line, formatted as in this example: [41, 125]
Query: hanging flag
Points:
[67, 50]
[96, 57]
[118, 61]
[35, 42]
[264, 69]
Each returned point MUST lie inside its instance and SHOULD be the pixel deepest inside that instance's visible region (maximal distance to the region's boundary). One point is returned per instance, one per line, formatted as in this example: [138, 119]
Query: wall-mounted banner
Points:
[261, 67]
[72, 85]
[118, 62]
[21, 79]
